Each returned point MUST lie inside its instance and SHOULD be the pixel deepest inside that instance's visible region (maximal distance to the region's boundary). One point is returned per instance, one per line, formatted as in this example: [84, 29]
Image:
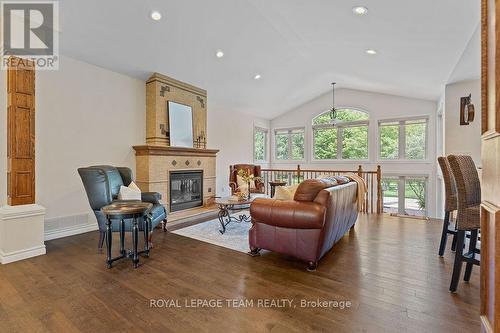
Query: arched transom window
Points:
[347, 139]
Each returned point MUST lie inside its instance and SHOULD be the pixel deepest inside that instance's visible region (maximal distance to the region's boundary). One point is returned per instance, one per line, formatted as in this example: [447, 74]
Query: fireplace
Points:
[186, 189]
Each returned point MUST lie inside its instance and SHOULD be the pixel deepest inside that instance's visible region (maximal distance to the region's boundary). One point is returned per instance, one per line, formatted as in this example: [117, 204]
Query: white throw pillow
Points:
[285, 192]
[131, 192]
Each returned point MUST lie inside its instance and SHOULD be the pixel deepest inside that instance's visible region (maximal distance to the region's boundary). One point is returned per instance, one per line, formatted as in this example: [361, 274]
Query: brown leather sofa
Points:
[308, 226]
[252, 169]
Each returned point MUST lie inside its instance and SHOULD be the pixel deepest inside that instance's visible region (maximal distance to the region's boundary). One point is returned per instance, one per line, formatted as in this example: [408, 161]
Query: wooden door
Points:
[490, 155]
[20, 132]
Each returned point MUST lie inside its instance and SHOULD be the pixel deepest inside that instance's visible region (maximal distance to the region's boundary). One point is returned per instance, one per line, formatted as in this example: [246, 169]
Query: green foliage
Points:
[355, 142]
[294, 138]
[342, 115]
[282, 146]
[389, 141]
[260, 143]
[354, 139]
[415, 137]
[417, 187]
[297, 146]
[325, 143]
[415, 141]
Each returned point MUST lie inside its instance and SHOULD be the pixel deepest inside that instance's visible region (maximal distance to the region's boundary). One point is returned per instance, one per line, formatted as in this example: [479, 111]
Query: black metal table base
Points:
[225, 216]
[134, 253]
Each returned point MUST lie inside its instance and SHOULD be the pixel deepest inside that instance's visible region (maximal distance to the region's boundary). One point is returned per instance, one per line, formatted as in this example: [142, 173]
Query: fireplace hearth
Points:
[186, 189]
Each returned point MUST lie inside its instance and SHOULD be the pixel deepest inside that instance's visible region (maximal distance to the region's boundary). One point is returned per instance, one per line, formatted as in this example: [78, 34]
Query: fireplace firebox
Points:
[186, 189]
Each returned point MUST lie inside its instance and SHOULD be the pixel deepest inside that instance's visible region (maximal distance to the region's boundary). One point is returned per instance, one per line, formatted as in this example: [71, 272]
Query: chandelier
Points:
[333, 111]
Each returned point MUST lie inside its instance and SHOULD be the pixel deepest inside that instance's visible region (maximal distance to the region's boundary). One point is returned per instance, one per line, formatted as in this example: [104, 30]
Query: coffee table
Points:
[229, 205]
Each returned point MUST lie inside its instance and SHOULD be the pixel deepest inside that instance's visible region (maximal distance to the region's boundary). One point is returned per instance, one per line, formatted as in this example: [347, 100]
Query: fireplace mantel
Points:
[173, 151]
[156, 160]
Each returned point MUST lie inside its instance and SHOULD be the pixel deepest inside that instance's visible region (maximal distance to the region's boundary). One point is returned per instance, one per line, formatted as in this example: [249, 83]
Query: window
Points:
[348, 139]
[403, 139]
[260, 144]
[405, 195]
[289, 144]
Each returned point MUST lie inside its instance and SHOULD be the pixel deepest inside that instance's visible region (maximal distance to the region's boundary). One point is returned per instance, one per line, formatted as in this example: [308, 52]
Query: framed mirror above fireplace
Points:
[180, 119]
[186, 189]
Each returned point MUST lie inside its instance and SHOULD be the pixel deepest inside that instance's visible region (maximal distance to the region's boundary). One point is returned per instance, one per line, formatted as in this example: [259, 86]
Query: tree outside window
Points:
[404, 139]
[289, 144]
[348, 139]
[260, 144]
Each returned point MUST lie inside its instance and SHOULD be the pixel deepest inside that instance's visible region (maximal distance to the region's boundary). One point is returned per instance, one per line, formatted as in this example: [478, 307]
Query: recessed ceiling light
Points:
[156, 15]
[257, 76]
[219, 54]
[371, 51]
[360, 10]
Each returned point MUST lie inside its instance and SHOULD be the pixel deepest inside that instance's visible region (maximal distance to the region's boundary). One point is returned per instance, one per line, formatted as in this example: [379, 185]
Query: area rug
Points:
[235, 237]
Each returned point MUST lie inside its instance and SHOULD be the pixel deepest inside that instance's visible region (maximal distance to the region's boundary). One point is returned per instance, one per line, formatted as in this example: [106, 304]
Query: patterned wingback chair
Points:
[252, 169]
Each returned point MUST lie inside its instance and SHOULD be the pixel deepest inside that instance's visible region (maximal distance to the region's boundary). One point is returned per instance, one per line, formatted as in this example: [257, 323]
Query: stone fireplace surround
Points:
[154, 163]
[156, 159]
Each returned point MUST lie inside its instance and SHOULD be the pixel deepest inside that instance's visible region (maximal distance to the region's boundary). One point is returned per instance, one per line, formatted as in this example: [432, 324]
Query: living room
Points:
[282, 158]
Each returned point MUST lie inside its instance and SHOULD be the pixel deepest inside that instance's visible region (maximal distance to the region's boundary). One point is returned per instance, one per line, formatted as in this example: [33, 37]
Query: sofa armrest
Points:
[151, 197]
[288, 213]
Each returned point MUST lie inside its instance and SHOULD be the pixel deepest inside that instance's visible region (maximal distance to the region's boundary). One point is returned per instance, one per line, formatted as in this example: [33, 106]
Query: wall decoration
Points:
[466, 110]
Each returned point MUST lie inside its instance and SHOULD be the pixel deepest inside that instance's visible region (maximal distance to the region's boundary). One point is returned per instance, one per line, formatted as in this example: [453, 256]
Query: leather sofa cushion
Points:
[288, 213]
[309, 189]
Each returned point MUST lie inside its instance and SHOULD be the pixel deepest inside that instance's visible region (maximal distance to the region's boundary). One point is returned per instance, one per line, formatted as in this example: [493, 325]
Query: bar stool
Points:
[450, 204]
[468, 214]
[127, 210]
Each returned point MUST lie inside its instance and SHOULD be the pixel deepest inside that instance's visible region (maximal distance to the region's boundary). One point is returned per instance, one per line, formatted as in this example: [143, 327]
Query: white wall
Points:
[232, 133]
[468, 66]
[86, 115]
[379, 106]
[464, 139]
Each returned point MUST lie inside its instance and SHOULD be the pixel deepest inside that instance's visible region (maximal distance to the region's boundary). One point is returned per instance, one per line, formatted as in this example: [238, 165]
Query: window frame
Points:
[339, 127]
[289, 135]
[402, 140]
[402, 181]
[264, 130]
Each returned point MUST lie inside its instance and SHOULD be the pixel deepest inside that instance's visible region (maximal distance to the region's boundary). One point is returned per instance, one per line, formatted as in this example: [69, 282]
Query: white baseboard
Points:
[70, 231]
[6, 258]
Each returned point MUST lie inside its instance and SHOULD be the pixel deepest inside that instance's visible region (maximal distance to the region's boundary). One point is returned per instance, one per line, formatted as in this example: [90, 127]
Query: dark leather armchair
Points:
[252, 169]
[102, 184]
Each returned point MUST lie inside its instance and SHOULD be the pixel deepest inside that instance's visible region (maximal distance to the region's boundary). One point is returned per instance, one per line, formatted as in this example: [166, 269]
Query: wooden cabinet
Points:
[21, 132]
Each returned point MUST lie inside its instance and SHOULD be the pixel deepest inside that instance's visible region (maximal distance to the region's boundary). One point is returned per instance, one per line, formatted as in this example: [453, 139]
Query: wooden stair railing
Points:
[373, 200]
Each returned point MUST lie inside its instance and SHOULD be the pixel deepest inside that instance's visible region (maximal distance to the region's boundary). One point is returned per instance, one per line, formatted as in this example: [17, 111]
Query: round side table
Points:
[124, 210]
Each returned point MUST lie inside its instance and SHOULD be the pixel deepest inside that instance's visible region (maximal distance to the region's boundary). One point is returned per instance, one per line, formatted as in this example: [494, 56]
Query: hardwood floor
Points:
[388, 268]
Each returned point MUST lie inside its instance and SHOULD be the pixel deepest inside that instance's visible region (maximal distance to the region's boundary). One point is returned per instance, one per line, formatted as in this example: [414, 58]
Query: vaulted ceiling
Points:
[298, 46]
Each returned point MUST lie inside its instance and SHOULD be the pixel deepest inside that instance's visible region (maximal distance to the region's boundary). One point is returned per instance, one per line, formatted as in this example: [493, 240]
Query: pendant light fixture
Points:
[333, 111]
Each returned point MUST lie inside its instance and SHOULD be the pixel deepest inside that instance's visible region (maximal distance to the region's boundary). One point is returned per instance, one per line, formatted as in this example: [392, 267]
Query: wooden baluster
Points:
[379, 190]
[371, 190]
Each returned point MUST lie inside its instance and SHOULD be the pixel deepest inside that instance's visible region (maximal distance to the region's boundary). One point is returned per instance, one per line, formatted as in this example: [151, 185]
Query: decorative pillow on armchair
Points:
[242, 184]
[131, 192]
